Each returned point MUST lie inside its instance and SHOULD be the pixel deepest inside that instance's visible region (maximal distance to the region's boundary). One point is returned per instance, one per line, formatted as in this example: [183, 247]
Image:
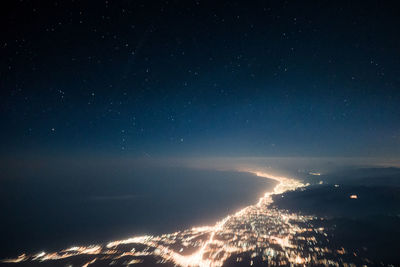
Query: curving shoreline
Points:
[205, 254]
[96, 207]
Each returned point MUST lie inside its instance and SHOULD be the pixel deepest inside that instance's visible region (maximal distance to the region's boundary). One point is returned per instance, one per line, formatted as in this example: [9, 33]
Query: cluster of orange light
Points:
[255, 226]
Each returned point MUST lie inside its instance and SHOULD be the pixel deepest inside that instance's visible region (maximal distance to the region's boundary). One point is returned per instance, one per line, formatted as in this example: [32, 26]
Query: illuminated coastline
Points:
[266, 233]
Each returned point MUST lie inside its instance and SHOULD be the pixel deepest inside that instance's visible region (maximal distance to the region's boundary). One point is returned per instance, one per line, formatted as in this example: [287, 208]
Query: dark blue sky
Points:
[169, 78]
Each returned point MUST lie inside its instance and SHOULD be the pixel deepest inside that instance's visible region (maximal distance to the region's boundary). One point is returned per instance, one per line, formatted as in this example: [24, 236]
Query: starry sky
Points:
[200, 78]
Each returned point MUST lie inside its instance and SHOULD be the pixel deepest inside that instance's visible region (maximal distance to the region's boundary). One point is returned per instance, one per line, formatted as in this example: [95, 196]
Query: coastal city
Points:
[199, 133]
[256, 235]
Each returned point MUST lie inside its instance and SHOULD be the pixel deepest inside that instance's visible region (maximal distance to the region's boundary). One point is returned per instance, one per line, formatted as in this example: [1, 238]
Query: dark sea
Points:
[55, 209]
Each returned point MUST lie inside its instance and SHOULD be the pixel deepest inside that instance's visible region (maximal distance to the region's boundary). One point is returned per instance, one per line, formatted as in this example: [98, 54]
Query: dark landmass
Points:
[331, 201]
[368, 225]
[360, 176]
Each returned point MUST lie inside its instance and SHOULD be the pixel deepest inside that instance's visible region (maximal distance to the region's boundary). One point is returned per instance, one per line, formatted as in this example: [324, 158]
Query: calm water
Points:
[46, 210]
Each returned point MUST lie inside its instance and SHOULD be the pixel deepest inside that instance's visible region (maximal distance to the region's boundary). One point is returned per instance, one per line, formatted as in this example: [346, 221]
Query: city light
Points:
[262, 230]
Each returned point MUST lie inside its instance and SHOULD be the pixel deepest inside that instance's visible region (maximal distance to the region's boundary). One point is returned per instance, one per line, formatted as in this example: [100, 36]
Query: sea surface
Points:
[54, 209]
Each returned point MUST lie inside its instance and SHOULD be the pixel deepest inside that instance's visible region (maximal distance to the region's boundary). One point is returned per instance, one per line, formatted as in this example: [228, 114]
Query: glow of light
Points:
[255, 226]
[20, 258]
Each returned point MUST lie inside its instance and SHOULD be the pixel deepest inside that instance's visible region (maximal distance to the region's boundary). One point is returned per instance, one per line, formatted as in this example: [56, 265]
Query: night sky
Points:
[200, 78]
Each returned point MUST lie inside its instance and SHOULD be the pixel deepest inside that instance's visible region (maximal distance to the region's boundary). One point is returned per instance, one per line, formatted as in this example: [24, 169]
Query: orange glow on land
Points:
[353, 196]
[20, 258]
[197, 258]
[88, 263]
[278, 232]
